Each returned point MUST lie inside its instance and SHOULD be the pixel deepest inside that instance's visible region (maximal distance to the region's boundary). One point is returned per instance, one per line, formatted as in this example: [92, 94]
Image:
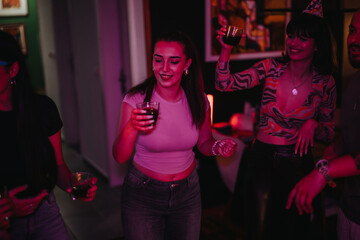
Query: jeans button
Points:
[174, 185]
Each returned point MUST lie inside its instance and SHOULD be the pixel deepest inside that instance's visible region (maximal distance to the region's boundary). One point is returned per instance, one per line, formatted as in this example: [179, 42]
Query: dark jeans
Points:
[46, 223]
[273, 171]
[153, 209]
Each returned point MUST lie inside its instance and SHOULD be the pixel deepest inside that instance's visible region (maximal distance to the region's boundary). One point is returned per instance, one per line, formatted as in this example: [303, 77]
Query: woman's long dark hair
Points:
[192, 83]
[315, 27]
[33, 143]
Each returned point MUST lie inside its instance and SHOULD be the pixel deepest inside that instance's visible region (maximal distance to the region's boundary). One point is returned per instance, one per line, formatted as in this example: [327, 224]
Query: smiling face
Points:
[169, 63]
[300, 47]
[353, 41]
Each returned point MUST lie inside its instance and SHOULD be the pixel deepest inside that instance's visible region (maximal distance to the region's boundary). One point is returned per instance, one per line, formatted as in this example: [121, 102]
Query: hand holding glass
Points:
[80, 182]
[232, 35]
[151, 108]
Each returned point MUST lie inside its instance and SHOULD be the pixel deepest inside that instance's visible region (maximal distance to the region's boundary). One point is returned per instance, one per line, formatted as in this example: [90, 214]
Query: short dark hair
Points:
[317, 28]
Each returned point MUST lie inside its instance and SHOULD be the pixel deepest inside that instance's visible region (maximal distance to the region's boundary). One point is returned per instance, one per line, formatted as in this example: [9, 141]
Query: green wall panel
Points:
[33, 56]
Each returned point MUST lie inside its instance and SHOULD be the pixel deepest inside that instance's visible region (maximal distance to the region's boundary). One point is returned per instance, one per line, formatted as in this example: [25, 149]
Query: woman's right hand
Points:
[220, 34]
[25, 206]
[140, 121]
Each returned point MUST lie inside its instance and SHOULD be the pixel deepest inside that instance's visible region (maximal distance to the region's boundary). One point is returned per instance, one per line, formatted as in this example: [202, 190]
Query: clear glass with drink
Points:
[80, 182]
[233, 35]
[151, 108]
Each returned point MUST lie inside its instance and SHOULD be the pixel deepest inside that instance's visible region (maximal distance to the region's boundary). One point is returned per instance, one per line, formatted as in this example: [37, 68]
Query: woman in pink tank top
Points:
[161, 194]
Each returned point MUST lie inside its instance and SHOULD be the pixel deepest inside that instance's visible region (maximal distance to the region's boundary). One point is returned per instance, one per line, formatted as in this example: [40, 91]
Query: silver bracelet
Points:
[213, 148]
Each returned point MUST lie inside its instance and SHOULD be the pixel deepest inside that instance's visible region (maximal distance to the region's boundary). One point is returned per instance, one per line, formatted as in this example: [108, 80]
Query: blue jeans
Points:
[157, 210]
[46, 223]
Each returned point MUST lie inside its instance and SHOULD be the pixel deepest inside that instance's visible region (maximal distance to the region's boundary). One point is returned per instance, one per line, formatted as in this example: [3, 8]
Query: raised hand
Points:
[220, 34]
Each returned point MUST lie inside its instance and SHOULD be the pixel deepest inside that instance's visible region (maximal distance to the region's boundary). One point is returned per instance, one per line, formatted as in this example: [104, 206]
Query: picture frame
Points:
[17, 30]
[264, 36]
[11, 8]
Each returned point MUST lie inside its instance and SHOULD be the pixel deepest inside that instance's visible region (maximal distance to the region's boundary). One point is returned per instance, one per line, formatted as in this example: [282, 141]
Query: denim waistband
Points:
[274, 147]
[133, 170]
[280, 149]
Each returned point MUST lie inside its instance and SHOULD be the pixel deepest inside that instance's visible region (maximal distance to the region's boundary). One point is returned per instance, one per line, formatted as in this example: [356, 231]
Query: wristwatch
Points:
[323, 167]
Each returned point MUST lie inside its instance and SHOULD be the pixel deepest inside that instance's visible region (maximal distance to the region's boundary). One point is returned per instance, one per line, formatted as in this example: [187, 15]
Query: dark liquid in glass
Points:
[234, 41]
[80, 191]
[152, 111]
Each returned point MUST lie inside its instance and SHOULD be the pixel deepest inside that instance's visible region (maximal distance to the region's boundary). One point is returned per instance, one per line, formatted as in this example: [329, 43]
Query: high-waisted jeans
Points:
[46, 223]
[157, 210]
[273, 171]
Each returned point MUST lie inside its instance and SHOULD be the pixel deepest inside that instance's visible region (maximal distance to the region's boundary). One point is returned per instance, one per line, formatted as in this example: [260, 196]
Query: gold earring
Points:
[186, 72]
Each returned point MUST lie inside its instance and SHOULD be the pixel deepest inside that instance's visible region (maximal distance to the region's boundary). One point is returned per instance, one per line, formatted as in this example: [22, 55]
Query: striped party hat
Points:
[315, 8]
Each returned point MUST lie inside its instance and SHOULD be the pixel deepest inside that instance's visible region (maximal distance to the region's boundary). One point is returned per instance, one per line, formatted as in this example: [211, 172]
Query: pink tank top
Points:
[168, 149]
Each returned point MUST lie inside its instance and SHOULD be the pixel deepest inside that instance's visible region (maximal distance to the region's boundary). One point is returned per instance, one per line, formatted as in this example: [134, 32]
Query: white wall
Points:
[110, 71]
[48, 52]
[85, 36]
[137, 38]
[100, 54]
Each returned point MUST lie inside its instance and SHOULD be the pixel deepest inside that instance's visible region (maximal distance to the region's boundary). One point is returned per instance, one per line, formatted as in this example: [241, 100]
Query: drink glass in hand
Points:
[80, 182]
[233, 35]
[151, 108]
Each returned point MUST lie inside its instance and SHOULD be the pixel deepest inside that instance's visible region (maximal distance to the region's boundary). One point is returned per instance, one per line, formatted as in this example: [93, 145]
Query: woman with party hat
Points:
[298, 105]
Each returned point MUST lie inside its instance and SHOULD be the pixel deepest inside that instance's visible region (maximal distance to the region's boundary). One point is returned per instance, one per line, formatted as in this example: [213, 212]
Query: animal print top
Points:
[319, 105]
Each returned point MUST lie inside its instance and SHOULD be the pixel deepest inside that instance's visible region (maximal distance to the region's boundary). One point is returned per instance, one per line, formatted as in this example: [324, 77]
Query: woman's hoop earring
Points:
[186, 72]
[13, 82]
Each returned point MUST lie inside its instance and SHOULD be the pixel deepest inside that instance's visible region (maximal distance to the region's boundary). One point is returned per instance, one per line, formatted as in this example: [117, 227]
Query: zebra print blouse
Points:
[319, 105]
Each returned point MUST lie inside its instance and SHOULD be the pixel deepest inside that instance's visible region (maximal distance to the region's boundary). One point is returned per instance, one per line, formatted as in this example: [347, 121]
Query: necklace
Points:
[295, 91]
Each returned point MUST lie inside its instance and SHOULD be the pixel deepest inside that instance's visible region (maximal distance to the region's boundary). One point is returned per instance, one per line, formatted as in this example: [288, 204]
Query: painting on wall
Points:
[10, 8]
[17, 30]
[263, 22]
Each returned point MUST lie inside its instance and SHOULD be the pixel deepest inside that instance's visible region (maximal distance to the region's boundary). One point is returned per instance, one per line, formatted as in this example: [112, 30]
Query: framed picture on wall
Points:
[263, 22]
[17, 30]
[10, 8]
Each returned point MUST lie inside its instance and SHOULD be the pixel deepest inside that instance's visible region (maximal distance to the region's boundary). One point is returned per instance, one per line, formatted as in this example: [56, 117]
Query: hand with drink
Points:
[229, 36]
[144, 116]
[82, 186]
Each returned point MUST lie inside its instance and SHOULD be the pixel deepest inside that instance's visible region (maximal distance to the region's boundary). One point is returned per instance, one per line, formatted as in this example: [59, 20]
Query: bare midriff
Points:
[266, 138]
[166, 177]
